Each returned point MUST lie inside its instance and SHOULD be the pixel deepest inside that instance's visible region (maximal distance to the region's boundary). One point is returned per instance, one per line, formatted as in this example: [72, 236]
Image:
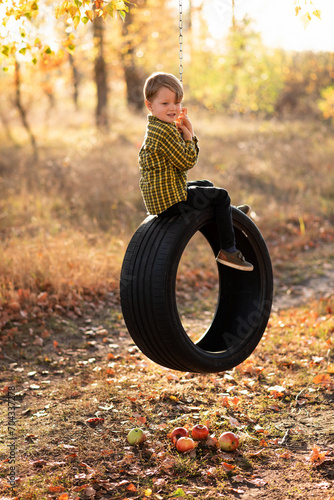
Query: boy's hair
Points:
[157, 80]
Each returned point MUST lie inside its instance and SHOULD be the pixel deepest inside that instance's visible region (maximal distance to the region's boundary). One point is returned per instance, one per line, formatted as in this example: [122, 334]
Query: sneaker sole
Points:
[235, 266]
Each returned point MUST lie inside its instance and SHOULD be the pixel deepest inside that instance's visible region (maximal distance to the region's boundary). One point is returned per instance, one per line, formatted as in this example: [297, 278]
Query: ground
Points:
[93, 370]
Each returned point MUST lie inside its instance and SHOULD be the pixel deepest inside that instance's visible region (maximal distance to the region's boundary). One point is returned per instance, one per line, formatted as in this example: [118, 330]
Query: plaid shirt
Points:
[164, 159]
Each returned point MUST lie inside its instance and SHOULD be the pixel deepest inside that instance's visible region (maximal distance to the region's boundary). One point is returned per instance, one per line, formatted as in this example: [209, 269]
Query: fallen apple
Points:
[136, 436]
[200, 432]
[228, 441]
[185, 444]
[179, 432]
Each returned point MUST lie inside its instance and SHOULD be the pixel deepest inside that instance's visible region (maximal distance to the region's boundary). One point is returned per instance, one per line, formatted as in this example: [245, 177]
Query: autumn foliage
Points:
[263, 119]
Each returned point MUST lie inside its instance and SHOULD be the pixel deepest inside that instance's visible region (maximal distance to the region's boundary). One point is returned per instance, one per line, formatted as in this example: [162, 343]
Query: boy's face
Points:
[165, 105]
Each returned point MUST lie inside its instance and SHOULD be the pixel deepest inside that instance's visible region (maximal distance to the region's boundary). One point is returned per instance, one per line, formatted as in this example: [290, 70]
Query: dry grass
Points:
[65, 220]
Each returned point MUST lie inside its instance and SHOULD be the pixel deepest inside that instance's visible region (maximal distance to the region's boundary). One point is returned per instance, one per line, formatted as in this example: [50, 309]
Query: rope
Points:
[180, 41]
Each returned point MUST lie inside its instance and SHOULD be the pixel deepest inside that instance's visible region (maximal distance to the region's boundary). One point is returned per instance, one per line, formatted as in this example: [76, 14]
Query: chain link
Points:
[180, 41]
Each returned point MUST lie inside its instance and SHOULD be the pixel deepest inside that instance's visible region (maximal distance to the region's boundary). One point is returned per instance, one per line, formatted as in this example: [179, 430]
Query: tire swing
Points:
[148, 299]
[148, 290]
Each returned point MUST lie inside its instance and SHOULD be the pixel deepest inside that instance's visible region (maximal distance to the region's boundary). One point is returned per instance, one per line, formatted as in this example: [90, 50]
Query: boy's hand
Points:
[184, 126]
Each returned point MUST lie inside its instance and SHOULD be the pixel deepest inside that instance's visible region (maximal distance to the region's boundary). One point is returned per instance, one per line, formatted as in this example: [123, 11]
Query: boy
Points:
[169, 150]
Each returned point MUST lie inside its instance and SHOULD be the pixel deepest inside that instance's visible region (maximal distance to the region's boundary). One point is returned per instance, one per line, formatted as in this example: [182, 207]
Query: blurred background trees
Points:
[238, 75]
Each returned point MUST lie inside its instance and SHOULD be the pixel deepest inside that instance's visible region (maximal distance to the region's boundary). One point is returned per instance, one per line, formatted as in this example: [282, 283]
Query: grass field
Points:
[65, 222]
[66, 219]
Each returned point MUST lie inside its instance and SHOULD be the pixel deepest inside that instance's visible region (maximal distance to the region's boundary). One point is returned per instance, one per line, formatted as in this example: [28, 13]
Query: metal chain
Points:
[180, 41]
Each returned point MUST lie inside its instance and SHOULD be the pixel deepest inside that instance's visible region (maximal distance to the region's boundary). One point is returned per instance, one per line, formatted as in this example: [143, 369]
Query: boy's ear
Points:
[148, 104]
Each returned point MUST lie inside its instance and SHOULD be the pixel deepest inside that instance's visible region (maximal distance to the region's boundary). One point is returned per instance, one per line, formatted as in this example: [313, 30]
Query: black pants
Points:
[201, 195]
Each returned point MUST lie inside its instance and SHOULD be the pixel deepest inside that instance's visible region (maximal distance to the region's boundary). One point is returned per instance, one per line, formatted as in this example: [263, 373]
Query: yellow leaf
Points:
[298, 9]
[90, 15]
[76, 21]
[73, 11]
[305, 19]
[120, 5]
[317, 13]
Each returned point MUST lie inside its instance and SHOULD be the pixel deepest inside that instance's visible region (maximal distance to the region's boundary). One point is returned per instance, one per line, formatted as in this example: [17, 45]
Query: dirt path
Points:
[313, 288]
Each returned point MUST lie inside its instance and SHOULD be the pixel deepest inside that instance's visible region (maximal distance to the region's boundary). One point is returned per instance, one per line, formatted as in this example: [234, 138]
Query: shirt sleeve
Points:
[180, 153]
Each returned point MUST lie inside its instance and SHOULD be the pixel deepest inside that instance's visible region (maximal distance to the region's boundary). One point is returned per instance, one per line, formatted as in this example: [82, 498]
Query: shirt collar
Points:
[154, 119]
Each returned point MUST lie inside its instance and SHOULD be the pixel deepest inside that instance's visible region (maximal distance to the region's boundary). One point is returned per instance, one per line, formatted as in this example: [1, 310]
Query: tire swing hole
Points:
[197, 287]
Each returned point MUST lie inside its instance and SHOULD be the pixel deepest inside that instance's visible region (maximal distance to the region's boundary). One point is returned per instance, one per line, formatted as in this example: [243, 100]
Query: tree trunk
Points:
[5, 123]
[75, 80]
[133, 74]
[22, 111]
[102, 121]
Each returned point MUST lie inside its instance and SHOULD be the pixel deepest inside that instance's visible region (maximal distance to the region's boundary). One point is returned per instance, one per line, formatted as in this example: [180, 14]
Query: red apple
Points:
[228, 441]
[185, 444]
[177, 433]
[200, 432]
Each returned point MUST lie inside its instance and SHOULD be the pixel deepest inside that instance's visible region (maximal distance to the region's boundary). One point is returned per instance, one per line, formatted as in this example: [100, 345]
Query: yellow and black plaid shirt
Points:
[164, 159]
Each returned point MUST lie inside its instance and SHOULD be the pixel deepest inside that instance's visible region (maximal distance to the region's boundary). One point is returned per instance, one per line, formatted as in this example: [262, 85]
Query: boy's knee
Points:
[204, 197]
[218, 196]
[223, 196]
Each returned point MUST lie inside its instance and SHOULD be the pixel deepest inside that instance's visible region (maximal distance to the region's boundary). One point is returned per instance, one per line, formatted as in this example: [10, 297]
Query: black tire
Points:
[148, 300]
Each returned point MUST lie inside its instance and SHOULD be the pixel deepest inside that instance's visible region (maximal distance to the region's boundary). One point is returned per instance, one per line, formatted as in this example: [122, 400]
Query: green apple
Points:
[136, 436]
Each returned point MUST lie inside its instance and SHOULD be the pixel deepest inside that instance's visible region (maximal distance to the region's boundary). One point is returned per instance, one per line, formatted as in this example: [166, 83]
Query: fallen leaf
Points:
[80, 488]
[234, 422]
[238, 491]
[284, 454]
[42, 298]
[238, 478]
[323, 379]
[256, 453]
[211, 441]
[273, 407]
[95, 421]
[227, 467]
[211, 471]
[38, 341]
[89, 491]
[56, 489]
[257, 482]
[317, 457]
[178, 493]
